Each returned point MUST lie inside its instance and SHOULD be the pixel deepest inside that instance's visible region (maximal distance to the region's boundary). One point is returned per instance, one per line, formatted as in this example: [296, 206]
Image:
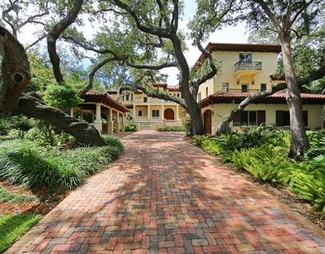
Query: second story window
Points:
[245, 57]
[206, 92]
[145, 99]
[155, 113]
[263, 87]
[244, 88]
[225, 87]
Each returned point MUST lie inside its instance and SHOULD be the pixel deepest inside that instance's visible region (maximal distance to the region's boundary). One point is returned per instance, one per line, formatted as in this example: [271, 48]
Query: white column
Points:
[149, 113]
[123, 122]
[110, 123]
[118, 121]
[177, 112]
[133, 112]
[162, 112]
[98, 121]
[71, 112]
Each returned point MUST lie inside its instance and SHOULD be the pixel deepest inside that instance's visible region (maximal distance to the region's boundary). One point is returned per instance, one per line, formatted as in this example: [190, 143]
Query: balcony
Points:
[247, 69]
[234, 91]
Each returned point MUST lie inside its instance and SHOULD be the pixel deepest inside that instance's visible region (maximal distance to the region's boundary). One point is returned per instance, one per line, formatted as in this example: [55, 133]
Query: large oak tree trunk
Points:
[83, 132]
[15, 77]
[299, 141]
[14, 70]
[193, 107]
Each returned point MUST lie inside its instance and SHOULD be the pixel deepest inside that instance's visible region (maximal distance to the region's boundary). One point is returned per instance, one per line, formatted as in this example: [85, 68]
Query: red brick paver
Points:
[167, 196]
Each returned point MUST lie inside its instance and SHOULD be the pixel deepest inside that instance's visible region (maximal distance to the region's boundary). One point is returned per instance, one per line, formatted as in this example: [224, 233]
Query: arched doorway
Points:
[169, 114]
[208, 121]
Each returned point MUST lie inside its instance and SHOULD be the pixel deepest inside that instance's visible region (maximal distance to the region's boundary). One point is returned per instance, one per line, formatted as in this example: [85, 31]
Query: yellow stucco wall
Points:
[226, 72]
[315, 113]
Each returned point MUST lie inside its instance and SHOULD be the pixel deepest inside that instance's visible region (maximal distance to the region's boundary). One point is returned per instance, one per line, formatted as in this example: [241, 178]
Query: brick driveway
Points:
[167, 196]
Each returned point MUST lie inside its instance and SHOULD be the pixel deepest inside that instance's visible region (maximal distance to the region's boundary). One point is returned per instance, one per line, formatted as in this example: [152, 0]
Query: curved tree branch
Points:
[83, 132]
[95, 69]
[151, 67]
[54, 34]
[154, 30]
[223, 126]
[154, 93]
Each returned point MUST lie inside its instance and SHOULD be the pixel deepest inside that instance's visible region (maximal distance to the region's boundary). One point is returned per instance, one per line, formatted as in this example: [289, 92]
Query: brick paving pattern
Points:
[167, 196]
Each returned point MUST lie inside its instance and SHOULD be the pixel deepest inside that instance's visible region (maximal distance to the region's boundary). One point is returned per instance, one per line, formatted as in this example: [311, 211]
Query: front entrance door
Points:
[208, 121]
[169, 114]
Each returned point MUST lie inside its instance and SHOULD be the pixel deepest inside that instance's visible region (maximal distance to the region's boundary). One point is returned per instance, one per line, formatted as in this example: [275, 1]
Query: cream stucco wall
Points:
[315, 113]
[226, 72]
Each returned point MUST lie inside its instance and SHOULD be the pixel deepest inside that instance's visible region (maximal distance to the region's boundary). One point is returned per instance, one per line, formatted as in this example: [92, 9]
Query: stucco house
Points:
[106, 114]
[151, 113]
[245, 69]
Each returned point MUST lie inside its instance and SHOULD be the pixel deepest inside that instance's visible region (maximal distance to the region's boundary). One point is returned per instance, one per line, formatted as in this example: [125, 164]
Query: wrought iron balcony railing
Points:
[248, 66]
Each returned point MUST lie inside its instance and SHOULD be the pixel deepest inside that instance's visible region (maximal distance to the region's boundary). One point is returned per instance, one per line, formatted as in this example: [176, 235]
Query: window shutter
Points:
[279, 118]
[260, 117]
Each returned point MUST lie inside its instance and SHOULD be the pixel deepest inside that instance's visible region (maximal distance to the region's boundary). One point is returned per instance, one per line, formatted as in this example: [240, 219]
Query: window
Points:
[245, 57]
[206, 91]
[145, 99]
[155, 113]
[249, 118]
[127, 97]
[283, 118]
[244, 88]
[177, 94]
[225, 87]
[263, 87]
[199, 96]
[140, 113]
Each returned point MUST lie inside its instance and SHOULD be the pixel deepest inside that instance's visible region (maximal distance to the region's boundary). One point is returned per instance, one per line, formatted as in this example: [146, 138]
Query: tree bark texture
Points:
[15, 73]
[299, 141]
[83, 132]
[193, 107]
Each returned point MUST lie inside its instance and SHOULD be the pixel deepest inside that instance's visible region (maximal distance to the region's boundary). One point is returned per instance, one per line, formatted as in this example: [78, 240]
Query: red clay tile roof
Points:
[237, 47]
[277, 98]
[104, 98]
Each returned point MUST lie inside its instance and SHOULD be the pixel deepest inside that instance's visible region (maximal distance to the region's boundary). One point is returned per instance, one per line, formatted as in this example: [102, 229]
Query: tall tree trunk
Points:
[299, 141]
[193, 107]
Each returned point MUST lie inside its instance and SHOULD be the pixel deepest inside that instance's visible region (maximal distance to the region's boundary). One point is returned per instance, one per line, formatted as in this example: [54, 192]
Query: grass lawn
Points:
[13, 227]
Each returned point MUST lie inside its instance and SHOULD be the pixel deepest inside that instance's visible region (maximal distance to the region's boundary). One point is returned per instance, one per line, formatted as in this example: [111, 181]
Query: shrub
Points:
[4, 127]
[130, 127]
[311, 187]
[23, 162]
[263, 153]
[171, 128]
[317, 144]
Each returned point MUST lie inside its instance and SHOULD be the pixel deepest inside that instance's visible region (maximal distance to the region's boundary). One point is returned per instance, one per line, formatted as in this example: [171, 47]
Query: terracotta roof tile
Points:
[277, 98]
[103, 97]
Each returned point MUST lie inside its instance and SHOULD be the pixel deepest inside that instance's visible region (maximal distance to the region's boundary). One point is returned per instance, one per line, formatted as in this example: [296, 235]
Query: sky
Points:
[230, 34]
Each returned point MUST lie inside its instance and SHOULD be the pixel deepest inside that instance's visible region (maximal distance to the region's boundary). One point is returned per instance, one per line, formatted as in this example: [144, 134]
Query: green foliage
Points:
[35, 166]
[4, 127]
[13, 227]
[130, 127]
[171, 128]
[7, 196]
[62, 96]
[263, 153]
[317, 144]
[311, 187]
